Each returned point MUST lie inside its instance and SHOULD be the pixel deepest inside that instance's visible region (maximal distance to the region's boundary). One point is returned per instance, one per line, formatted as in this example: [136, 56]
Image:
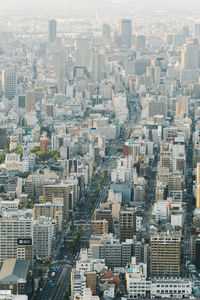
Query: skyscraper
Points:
[82, 52]
[97, 67]
[196, 31]
[125, 32]
[190, 55]
[198, 186]
[105, 32]
[9, 82]
[140, 43]
[52, 30]
[30, 101]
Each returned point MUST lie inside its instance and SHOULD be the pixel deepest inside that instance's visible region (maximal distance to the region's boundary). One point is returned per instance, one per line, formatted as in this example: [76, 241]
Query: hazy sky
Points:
[34, 4]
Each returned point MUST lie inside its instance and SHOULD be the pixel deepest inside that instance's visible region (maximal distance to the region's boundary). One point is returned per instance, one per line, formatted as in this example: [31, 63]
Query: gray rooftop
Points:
[14, 270]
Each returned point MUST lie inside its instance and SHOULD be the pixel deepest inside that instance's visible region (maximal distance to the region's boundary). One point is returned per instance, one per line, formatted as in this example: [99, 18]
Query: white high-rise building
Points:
[44, 230]
[9, 82]
[13, 226]
[78, 283]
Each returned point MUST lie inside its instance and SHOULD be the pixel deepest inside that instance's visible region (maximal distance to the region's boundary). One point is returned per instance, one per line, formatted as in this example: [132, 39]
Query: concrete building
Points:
[99, 227]
[127, 224]
[9, 82]
[30, 101]
[125, 33]
[165, 255]
[13, 226]
[67, 191]
[104, 214]
[14, 275]
[52, 30]
[50, 210]
[44, 231]
[78, 283]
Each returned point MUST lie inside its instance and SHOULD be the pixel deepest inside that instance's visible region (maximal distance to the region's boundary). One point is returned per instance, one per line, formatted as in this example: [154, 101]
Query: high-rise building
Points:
[106, 31]
[68, 192]
[99, 227]
[52, 30]
[104, 214]
[13, 226]
[3, 137]
[196, 31]
[50, 210]
[125, 33]
[186, 31]
[82, 52]
[140, 43]
[182, 106]
[30, 101]
[198, 186]
[165, 256]
[97, 67]
[190, 55]
[25, 250]
[9, 82]
[127, 224]
[21, 101]
[44, 231]
[78, 283]
[44, 144]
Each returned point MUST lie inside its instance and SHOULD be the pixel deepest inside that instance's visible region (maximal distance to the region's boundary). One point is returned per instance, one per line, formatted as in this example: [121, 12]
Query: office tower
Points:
[82, 52]
[97, 67]
[99, 227]
[198, 186]
[127, 224]
[13, 226]
[106, 31]
[52, 30]
[44, 231]
[165, 256]
[21, 101]
[3, 137]
[196, 31]
[29, 101]
[44, 144]
[59, 65]
[50, 210]
[190, 55]
[140, 43]
[125, 33]
[9, 82]
[104, 214]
